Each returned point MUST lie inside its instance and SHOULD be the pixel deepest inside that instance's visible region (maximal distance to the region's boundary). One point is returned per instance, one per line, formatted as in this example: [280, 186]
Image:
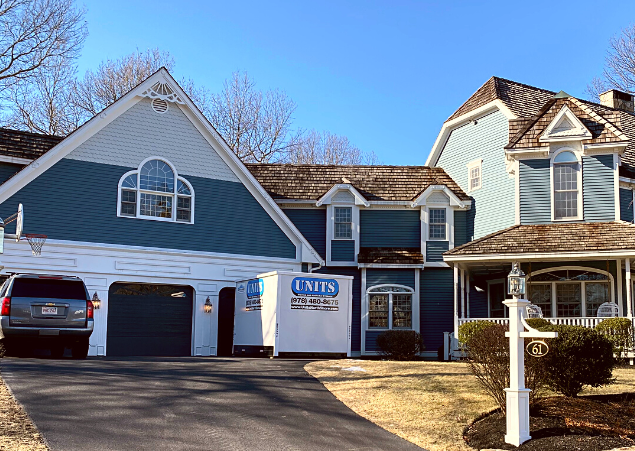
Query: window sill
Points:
[150, 218]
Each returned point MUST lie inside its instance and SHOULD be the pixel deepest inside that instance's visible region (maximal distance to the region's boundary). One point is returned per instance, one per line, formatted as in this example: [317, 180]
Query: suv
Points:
[53, 311]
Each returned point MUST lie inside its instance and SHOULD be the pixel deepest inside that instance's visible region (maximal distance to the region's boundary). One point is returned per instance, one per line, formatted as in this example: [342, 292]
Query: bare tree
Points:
[114, 78]
[328, 148]
[619, 68]
[43, 103]
[255, 124]
[35, 35]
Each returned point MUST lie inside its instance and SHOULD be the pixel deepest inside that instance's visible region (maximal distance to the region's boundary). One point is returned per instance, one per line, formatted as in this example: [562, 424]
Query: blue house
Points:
[551, 180]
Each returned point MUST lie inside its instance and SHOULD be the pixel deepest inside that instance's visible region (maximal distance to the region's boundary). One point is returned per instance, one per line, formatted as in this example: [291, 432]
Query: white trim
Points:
[478, 163]
[416, 308]
[580, 195]
[411, 291]
[15, 160]
[330, 233]
[517, 191]
[454, 200]
[364, 318]
[616, 187]
[390, 265]
[596, 255]
[423, 216]
[618, 270]
[450, 126]
[110, 113]
[578, 133]
[327, 198]
[448, 228]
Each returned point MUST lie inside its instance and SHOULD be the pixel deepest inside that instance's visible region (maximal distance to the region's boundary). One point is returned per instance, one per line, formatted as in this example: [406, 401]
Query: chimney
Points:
[618, 99]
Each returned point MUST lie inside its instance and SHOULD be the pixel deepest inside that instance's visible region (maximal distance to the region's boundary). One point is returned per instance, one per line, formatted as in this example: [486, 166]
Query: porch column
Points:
[620, 295]
[462, 293]
[456, 301]
[467, 287]
[629, 299]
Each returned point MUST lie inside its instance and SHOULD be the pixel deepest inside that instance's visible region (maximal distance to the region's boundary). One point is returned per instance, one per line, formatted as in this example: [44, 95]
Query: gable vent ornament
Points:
[164, 92]
[159, 105]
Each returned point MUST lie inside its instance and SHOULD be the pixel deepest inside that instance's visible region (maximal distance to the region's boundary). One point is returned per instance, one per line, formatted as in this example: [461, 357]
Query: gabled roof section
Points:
[347, 186]
[161, 85]
[580, 116]
[522, 100]
[375, 183]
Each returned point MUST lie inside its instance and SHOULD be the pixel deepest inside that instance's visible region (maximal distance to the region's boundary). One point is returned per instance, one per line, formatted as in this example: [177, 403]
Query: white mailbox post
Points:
[517, 396]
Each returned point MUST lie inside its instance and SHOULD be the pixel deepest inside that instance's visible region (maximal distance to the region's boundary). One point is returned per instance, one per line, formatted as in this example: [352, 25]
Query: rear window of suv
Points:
[46, 288]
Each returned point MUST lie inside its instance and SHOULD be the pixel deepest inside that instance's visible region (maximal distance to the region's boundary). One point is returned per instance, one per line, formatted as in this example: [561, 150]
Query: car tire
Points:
[57, 351]
[80, 349]
[3, 348]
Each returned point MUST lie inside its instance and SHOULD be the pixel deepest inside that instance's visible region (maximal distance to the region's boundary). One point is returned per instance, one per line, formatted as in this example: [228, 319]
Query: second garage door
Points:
[149, 320]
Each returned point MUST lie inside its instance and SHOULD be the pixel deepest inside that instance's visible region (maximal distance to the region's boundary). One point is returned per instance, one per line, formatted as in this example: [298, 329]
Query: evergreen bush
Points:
[620, 332]
[400, 344]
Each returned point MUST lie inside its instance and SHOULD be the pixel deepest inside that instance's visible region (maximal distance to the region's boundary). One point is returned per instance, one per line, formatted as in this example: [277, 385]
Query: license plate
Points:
[49, 310]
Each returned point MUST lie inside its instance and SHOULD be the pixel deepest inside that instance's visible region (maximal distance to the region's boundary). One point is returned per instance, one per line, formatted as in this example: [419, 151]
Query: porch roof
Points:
[525, 242]
[392, 255]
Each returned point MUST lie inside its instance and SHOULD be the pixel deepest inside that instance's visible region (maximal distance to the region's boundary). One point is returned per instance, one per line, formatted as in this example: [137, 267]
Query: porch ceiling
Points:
[588, 241]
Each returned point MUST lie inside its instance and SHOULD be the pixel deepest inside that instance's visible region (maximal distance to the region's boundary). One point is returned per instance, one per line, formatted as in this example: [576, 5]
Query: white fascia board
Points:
[447, 128]
[454, 200]
[540, 256]
[326, 199]
[389, 266]
[15, 160]
[530, 152]
[98, 122]
[580, 131]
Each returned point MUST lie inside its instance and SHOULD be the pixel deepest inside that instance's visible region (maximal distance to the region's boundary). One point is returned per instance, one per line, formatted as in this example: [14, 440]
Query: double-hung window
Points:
[154, 191]
[474, 175]
[390, 307]
[343, 223]
[437, 224]
[566, 170]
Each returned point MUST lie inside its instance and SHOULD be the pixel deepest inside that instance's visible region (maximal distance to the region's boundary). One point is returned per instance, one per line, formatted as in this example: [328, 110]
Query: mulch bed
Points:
[589, 423]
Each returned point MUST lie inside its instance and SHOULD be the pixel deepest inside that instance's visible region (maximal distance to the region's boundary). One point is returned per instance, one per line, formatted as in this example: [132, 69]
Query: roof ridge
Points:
[616, 130]
[523, 84]
[478, 240]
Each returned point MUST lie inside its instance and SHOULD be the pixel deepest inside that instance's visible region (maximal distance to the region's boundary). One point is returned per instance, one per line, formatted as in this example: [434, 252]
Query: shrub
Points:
[468, 330]
[537, 323]
[400, 344]
[578, 357]
[620, 332]
[488, 359]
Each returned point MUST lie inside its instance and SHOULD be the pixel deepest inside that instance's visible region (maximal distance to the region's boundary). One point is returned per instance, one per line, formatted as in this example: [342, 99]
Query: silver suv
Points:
[45, 310]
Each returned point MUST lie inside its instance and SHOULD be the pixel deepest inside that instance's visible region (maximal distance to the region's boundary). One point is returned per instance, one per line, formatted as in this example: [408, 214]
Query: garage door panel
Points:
[140, 322]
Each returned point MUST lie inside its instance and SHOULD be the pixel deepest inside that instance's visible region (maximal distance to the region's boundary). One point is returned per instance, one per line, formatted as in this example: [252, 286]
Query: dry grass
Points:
[427, 403]
[17, 432]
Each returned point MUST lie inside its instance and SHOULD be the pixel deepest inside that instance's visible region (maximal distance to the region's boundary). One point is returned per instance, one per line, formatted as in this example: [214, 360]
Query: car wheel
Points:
[57, 350]
[3, 348]
[80, 349]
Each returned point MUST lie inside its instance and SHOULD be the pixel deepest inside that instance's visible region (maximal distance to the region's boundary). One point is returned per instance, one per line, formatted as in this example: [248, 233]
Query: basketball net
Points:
[36, 241]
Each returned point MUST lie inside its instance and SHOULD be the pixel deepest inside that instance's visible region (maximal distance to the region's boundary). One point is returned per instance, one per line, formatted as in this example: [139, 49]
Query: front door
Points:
[226, 304]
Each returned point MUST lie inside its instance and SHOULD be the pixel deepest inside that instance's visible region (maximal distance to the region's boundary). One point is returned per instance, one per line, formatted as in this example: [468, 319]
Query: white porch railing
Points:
[590, 322]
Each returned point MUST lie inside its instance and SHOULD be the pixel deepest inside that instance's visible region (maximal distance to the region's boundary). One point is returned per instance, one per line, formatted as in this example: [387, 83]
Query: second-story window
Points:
[343, 223]
[474, 175]
[437, 224]
[565, 186]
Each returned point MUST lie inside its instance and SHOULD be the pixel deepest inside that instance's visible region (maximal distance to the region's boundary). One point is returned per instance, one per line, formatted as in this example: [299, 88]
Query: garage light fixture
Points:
[207, 308]
[96, 301]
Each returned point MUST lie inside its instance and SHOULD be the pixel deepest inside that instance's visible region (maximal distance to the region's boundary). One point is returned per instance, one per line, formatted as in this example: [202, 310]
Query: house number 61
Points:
[537, 348]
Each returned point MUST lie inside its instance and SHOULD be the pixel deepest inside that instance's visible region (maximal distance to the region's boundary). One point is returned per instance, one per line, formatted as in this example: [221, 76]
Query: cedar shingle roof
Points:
[392, 255]
[375, 183]
[581, 237]
[523, 100]
[20, 144]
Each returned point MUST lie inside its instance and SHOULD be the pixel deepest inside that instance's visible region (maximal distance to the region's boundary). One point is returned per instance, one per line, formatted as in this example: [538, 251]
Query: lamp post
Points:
[517, 396]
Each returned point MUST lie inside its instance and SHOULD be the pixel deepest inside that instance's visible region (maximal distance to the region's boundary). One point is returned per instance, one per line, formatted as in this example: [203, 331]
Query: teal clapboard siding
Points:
[390, 228]
[371, 340]
[390, 276]
[312, 224]
[460, 228]
[494, 203]
[598, 184]
[342, 250]
[435, 250]
[8, 170]
[436, 306]
[626, 205]
[535, 191]
[77, 201]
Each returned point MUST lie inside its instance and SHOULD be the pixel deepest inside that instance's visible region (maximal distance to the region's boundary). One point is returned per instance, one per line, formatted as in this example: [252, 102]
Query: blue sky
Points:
[384, 73]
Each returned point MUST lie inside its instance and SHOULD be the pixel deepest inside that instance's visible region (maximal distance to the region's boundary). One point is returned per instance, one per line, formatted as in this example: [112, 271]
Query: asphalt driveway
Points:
[187, 403]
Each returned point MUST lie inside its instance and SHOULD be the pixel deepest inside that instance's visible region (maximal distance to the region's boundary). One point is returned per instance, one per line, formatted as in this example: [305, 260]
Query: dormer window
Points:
[343, 223]
[155, 191]
[438, 224]
[566, 186]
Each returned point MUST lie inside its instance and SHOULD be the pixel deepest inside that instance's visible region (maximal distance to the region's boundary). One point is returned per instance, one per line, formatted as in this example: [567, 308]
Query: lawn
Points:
[428, 403]
[17, 432]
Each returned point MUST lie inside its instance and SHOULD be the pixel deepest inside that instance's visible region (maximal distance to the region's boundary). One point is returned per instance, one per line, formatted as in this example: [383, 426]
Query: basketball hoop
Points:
[36, 241]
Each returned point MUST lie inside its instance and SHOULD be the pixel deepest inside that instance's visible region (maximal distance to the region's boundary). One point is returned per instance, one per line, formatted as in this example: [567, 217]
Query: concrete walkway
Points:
[187, 403]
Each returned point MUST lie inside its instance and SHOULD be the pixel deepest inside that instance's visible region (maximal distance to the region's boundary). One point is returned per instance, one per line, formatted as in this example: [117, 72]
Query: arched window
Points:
[390, 307]
[155, 191]
[566, 186]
